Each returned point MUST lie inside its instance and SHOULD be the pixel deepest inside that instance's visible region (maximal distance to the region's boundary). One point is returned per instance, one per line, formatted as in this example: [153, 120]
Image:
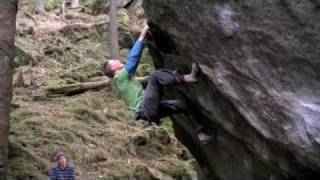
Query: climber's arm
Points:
[135, 53]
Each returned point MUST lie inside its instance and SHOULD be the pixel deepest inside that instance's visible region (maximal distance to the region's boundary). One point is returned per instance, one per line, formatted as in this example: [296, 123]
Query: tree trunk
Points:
[68, 89]
[114, 30]
[63, 9]
[39, 7]
[75, 3]
[8, 12]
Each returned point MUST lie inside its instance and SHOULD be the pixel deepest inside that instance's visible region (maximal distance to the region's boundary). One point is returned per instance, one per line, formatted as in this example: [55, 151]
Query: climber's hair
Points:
[106, 69]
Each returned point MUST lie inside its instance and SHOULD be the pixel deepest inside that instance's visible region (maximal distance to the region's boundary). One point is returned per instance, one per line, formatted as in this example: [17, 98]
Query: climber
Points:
[147, 104]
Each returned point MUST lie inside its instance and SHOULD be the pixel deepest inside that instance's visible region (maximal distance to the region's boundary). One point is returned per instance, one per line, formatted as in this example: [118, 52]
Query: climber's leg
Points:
[171, 107]
[154, 92]
[199, 129]
[196, 126]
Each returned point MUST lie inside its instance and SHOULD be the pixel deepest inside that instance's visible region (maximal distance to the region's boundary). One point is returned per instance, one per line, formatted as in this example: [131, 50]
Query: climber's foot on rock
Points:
[195, 71]
[193, 76]
[205, 138]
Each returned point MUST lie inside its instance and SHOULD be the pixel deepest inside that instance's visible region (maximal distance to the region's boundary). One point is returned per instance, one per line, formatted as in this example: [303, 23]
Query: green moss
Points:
[75, 34]
[77, 76]
[144, 69]
[143, 172]
[52, 4]
[18, 116]
[70, 81]
[184, 170]
[95, 7]
[34, 127]
[21, 164]
[24, 54]
[167, 125]
[126, 39]
[140, 140]
[188, 172]
[88, 115]
[54, 82]
[21, 168]
[146, 57]
[113, 116]
[52, 50]
[58, 135]
[124, 54]
[82, 73]
[162, 135]
[185, 155]
[14, 106]
[21, 59]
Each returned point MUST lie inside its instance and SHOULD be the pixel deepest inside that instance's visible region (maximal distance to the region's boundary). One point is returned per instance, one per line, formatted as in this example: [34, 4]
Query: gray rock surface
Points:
[259, 92]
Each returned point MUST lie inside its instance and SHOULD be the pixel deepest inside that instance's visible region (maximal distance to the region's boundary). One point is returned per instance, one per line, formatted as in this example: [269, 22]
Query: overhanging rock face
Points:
[260, 90]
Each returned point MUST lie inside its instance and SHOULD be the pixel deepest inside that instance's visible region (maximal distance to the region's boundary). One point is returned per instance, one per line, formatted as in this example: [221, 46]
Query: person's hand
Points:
[144, 33]
[145, 29]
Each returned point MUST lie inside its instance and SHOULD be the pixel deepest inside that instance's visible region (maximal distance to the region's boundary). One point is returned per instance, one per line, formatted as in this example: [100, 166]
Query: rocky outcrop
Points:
[259, 92]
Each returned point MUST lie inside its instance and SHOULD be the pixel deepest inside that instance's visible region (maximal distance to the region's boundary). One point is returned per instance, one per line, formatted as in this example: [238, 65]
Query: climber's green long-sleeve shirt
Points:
[129, 89]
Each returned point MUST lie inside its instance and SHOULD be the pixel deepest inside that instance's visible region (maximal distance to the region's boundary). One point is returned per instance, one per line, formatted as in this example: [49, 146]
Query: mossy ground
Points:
[97, 132]
[95, 128]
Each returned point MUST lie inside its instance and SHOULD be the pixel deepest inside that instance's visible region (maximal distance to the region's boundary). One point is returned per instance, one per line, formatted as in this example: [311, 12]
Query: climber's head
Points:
[111, 66]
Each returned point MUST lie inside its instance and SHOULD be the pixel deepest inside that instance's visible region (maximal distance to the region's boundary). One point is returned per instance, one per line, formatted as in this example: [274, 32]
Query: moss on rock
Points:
[54, 82]
[162, 135]
[24, 54]
[142, 172]
[95, 7]
[182, 171]
[51, 4]
[82, 73]
[22, 164]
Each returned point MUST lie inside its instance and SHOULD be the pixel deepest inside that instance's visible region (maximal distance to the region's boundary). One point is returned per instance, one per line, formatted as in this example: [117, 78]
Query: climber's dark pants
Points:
[153, 108]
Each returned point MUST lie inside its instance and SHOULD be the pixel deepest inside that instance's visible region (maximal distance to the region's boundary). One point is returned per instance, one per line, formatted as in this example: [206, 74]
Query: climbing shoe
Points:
[205, 138]
[195, 71]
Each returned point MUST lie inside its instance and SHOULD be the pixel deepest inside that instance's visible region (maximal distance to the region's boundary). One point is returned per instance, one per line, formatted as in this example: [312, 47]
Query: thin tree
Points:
[63, 9]
[75, 3]
[8, 12]
[38, 7]
[115, 54]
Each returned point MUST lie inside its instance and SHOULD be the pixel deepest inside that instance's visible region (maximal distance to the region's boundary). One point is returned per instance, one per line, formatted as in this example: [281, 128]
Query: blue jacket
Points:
[134, 58]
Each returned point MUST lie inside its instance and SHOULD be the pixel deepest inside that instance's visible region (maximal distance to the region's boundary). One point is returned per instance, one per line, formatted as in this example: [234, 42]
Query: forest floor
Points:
[94, 128]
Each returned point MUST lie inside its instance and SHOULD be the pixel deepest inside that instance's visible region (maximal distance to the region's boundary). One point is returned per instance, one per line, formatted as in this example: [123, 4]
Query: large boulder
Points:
[259, 93]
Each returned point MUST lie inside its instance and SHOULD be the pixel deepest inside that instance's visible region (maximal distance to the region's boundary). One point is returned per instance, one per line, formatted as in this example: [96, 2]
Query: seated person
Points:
[62, 171]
